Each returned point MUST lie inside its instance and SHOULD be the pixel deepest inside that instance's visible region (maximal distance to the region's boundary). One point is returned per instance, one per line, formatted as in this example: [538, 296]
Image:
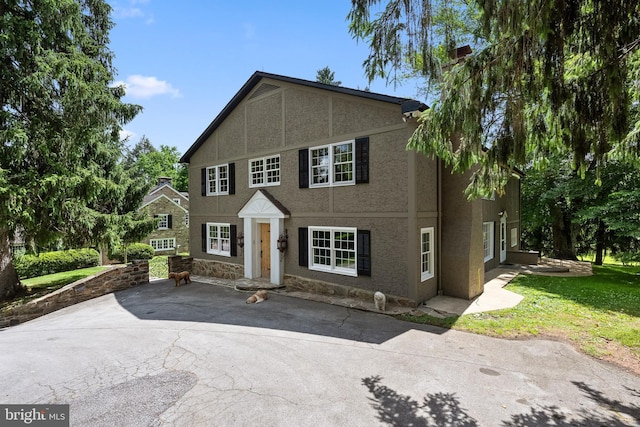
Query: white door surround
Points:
[263, 208]
[503, 237]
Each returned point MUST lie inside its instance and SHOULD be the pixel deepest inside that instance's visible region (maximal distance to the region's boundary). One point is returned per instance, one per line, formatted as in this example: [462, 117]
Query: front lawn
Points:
[599, 314]
[42, 285]
[159, 267]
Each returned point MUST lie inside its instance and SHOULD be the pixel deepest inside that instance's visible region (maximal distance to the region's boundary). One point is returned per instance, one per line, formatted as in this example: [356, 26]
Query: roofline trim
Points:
[255, 79]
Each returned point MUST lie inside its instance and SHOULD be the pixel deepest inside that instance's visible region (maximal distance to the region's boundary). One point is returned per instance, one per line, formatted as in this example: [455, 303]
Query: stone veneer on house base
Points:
[223, 270]
[201, 267]
[297, 283]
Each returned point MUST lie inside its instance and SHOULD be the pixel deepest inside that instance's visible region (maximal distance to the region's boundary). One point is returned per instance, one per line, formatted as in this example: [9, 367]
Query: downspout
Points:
[439, 233]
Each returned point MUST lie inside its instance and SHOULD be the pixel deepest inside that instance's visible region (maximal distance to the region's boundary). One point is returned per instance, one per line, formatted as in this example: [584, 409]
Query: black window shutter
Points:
[204, 238]
[303, 247]
[203, 181]
[303, 168]
[234, 242]
[232, 178]
[169, 221]
[362, 160]
[364, 253]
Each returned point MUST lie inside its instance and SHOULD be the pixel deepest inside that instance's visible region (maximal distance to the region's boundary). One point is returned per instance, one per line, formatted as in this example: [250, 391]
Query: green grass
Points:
[599, 314]
[61, 279]
[42, 285]
[158, 266]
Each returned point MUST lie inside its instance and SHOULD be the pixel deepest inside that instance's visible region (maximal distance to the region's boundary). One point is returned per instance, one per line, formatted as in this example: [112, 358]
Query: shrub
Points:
[134, 251]
[54, 262]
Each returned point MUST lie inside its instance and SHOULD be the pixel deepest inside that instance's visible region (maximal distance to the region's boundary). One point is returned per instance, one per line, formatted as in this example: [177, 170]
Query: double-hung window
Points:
[333, 249]
[487, 240]
[264, 171]
[426, 253]
[163, 223]
[217, 180]
[219, 239]
[332, 165]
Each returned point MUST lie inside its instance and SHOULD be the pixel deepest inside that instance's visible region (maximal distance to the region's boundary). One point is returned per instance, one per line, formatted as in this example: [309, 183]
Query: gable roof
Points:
[158, 187]
[406, 103]
[147, 202]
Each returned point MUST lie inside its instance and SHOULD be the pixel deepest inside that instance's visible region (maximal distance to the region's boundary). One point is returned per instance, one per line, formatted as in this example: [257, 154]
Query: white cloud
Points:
[132, 9]
[139, 86]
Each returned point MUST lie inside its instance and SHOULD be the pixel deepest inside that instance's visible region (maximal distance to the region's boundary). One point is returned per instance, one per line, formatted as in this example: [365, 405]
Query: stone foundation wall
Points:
[523, 257]
[223, 270]
[105, 282]
[179, 263]
[297, 283]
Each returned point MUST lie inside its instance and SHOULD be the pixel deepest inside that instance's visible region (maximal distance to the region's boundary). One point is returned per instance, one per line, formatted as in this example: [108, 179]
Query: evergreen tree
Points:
[61, 175]
[326, 76]
[545, 76]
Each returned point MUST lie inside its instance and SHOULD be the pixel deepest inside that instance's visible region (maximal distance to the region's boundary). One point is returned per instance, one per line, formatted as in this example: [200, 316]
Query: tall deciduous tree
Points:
[149, 163]
[546, 76]
[60, 165]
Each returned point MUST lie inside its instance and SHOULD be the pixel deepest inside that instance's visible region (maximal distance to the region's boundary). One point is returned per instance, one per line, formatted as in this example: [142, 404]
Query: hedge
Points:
[54, 262]
[134, 251]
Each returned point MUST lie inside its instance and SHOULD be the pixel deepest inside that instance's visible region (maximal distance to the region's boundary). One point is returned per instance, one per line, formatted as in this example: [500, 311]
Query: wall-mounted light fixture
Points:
[283, 241]
[240, 239]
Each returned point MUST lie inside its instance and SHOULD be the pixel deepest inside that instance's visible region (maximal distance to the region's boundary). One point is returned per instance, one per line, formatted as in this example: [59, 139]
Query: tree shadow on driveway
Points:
[444, 409]
[198, 302]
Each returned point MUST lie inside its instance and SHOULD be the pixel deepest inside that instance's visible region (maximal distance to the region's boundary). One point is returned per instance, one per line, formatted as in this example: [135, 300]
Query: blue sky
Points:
[183, 61]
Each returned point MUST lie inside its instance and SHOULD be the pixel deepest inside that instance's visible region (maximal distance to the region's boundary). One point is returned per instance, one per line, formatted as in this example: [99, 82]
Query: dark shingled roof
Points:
[406, 103]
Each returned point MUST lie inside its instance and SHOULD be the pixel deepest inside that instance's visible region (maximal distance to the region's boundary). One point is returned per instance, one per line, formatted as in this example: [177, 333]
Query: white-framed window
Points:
[426, 253]
[514, 237]
[177, 200]
[218, 180]
[163, 224]
[332, 165]
[163, 244]
[219, 239]
[333, 250]
[487, 240]
[264, 171]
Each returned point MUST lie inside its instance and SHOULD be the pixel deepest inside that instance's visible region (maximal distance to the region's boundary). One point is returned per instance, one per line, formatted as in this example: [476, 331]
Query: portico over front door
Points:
[263, 222]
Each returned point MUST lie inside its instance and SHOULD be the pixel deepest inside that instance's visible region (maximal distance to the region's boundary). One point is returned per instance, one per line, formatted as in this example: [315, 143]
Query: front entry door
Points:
[503, 239]
[265, 250]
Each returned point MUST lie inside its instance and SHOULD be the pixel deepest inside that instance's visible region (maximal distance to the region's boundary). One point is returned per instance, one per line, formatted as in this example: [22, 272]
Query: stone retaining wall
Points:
[179, 263]
[297, 283]
[105, 282]
[223, 270]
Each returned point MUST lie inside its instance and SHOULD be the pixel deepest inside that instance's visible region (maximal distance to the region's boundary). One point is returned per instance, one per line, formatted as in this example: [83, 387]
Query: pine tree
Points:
[61, 176]
[545, 76]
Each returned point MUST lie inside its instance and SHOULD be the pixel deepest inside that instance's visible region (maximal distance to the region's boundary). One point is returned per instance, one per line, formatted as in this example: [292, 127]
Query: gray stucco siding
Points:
[388, 252]
[308, 117]
[264, 123]
[349, 116]
[230, 136]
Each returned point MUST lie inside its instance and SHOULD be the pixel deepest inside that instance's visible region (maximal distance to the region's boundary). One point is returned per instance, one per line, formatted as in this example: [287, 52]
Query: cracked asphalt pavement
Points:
[198, 355]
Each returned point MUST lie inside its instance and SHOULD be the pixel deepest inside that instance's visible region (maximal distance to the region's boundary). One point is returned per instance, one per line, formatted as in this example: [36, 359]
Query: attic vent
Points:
[264, 88]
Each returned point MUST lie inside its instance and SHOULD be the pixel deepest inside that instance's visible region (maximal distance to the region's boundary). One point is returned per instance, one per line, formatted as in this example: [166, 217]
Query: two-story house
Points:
[171, 207]
[311, 185]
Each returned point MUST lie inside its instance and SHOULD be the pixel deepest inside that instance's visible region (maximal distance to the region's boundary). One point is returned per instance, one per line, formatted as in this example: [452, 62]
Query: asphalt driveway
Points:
[199, 356]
